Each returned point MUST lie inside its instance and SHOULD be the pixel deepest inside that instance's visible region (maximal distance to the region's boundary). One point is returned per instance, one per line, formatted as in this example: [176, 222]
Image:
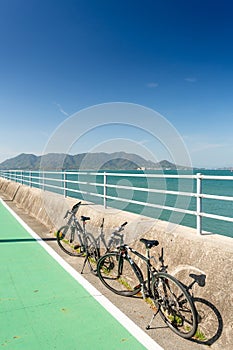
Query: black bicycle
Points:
[119, 273]
[75, 241]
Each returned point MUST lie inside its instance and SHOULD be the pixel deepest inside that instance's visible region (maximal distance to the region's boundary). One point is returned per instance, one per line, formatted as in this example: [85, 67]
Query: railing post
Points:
[105, 190]
[43, 184]
[30, 178]
[199, 204]
[64, 184]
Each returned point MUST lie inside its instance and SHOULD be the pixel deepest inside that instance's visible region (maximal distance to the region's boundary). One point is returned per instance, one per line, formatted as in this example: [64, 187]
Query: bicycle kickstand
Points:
[152, 318]
[84, 264]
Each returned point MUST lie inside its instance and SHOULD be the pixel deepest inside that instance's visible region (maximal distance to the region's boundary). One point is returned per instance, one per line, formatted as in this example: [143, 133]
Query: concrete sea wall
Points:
[203, 263]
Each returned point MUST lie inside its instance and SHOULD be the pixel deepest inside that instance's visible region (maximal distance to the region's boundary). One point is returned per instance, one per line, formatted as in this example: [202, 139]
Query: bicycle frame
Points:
[169, 297]
[76, 228]
[74, 224]
[116, 236]
[145, 284]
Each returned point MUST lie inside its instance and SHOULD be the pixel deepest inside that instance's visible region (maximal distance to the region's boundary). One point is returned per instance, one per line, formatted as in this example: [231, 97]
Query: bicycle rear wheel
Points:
[116, 273]
[68, 240]
[175, 305]
[93, 253]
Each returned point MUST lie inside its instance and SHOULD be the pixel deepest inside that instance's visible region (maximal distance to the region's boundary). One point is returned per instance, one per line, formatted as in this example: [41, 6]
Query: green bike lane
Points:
[45, 304]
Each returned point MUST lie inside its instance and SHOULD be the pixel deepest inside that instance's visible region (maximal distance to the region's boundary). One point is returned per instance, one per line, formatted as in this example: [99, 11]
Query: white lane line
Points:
[124, 320]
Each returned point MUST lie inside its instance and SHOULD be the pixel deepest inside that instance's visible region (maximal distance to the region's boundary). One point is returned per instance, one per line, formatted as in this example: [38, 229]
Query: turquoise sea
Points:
[129, 182]
[212, 206]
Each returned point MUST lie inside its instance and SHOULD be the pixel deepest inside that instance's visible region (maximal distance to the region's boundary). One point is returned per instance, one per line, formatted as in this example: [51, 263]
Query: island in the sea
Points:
[86, 161]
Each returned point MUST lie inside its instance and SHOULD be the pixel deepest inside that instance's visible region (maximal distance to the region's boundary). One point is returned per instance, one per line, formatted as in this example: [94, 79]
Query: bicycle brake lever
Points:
[102, 225]
[66, 214]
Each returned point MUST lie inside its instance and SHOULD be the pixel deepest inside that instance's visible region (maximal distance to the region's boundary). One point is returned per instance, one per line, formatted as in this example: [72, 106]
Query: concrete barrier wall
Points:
[204, 263]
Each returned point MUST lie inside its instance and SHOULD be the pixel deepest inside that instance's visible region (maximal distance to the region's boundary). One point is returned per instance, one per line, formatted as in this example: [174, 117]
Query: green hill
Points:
[83, 161]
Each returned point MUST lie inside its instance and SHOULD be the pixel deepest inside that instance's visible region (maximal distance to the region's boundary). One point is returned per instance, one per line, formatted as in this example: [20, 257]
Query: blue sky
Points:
[175, 57]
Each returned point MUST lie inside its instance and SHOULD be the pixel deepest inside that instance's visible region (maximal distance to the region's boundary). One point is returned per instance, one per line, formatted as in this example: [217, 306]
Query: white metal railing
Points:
[59, 181]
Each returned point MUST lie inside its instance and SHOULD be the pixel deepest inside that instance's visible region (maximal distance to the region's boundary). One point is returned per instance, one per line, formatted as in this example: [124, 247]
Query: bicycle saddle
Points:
[149, 243]
[85, 218]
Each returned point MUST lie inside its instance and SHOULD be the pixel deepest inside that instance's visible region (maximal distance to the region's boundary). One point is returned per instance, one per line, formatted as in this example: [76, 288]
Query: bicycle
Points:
[93, 253]
[119, 273]
[75, 241]
[116, 238]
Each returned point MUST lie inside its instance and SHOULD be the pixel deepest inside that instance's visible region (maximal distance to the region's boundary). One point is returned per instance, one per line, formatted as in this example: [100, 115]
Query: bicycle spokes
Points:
[175, 305]
[69, 241]
[117, 274]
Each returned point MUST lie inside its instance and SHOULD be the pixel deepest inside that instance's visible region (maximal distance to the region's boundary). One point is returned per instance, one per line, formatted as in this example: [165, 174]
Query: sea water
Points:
[129, 184]
[128, 191]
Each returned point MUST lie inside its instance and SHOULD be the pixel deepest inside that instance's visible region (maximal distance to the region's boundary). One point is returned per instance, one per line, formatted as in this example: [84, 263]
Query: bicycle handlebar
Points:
[121, 228]
[75, 207]
[73, 210]
[118, 229]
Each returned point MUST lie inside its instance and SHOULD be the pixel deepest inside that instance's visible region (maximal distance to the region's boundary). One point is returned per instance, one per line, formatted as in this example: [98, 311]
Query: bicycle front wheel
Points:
[68, 240]
[175, 305]
[93, 253]
[116, 273]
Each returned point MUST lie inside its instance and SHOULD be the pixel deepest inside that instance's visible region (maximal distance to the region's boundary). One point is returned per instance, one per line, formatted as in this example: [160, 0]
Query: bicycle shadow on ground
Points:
[210, 322]
[25, 240]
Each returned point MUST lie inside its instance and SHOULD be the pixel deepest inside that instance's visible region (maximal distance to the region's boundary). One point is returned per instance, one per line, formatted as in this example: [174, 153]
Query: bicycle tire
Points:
[175, 305]
[93, 252]
[116, 273]
[68, 241]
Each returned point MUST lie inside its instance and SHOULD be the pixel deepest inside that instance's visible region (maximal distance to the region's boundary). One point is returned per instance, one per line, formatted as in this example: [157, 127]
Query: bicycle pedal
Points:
[146, 293]
[136, 287]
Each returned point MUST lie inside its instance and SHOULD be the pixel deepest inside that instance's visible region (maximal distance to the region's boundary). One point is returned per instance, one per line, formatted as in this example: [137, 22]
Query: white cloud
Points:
[198, 143]
[207, 146]
[61, 109]
[152, 85]
[191, 79]
[208, 152]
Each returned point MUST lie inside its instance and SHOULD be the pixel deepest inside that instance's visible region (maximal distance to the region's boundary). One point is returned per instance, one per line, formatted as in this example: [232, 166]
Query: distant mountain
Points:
[22, 162]
[84, 161]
